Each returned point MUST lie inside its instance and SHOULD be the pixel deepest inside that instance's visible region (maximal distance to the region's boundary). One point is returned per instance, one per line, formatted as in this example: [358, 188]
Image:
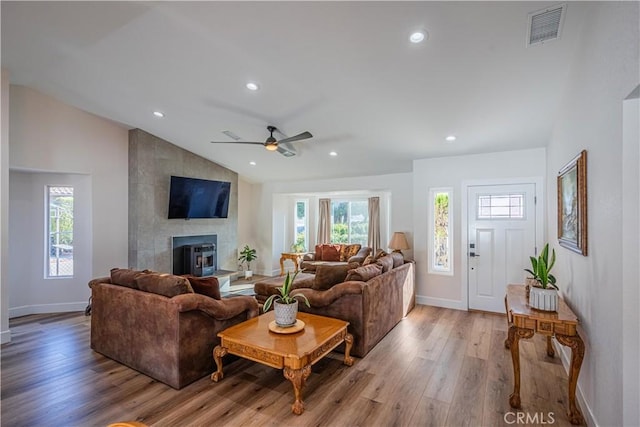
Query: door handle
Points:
[473, 254]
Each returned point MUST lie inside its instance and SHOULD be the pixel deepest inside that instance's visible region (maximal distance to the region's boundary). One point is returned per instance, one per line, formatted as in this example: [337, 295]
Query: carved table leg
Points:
[515, 334]
[298, 378]
[577, 354]
[282, 266]
[348, 339]
[218, 353]
[506, 307]
[550, 351]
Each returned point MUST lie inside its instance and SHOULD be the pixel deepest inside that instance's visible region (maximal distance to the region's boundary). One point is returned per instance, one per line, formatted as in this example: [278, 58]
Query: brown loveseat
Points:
[334, 254]
[165, 331]
[371, 305]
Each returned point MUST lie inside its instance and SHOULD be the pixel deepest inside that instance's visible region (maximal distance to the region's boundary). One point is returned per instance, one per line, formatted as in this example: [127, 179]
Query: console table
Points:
[296, 257]
[525, 321]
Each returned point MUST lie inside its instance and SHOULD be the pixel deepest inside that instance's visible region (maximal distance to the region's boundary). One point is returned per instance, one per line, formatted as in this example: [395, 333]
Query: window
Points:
[60, 231]
[502, 206]
[301, 231]
[350, 221]
[441, 232]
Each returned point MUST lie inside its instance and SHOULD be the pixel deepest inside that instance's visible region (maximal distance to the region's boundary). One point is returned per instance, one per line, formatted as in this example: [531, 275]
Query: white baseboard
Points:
[587, 413]
[440, 302]
[46, 308]
[5, 337]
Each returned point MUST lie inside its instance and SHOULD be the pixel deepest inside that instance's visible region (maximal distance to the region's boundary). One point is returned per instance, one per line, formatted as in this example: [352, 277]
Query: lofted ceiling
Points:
[345, 71]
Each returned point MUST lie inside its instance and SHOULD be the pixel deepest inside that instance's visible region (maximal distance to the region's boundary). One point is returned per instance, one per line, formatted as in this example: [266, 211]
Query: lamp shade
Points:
[398, 241]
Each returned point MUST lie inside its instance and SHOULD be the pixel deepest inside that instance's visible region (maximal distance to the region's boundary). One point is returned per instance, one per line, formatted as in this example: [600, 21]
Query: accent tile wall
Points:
[152, 161]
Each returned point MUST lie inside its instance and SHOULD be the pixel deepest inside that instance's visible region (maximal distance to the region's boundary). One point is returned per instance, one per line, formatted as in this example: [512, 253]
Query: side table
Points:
[296, 257]
[524, 322]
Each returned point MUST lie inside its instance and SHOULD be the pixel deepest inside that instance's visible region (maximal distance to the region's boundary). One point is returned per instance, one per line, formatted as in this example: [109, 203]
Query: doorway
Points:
[503, 222]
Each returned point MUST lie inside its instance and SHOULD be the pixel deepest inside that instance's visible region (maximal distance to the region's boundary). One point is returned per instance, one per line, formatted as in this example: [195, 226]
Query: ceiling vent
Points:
[546, 24]
[231, 135]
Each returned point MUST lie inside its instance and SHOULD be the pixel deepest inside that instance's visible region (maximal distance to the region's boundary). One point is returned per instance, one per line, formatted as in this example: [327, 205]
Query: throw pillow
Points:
[318, 253]
[209, 286]
[347, 251]
[330, 252]
[329, 275]
[364, 273]
[164, 284]
[368, 260]
[126, 277]
[386, 262]
[398, 259]
[379, 254]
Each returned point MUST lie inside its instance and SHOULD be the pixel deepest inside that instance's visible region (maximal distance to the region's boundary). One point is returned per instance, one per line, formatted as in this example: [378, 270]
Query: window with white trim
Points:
[301, 226]
[59, 221]
[501, 206]
[350, 221]
[441, 231]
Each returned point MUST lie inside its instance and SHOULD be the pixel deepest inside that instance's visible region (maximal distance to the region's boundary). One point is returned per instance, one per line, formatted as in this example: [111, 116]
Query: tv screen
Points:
[198, 198]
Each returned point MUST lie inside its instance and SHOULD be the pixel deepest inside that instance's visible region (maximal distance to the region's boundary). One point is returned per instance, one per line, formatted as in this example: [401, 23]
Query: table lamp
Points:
[398, 242]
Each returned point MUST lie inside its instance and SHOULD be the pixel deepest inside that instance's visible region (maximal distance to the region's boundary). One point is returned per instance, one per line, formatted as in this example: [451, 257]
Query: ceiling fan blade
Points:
[303, 135]
[286, 150]
[237, 142]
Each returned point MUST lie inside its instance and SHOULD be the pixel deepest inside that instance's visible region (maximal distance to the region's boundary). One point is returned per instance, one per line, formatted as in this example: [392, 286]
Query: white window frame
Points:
[432, 268]
[47, 243]
[306, 222]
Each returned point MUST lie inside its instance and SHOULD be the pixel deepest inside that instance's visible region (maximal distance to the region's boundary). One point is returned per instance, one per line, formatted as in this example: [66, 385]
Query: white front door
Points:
[502, 235]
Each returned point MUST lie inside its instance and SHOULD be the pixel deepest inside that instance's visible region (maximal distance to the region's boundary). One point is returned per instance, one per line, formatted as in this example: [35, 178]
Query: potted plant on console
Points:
[285, 305]
[543, 294]
[247, 255]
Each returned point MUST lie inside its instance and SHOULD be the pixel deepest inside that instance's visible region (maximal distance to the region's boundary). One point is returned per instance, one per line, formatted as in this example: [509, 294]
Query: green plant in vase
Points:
[543, 295]
[248, 254]
[285, 305]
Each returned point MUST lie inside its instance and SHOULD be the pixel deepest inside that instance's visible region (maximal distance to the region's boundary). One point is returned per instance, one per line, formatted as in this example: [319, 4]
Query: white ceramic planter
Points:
[248, 274]
[285, 313]
[543, 299]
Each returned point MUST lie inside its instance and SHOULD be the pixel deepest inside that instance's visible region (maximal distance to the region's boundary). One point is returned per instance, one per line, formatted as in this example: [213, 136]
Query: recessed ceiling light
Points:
[252, 86]
[333, 153]
[450, 138]
[252, 163]
[158, 113]
[418, 36]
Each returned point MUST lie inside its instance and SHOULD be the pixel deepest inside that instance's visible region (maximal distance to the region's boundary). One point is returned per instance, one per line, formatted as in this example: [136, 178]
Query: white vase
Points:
[285, 313]
[248, 274]
[543, 299]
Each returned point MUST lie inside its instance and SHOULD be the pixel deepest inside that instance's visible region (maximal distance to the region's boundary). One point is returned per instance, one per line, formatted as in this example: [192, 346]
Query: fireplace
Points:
[196, 255]
[199, 260]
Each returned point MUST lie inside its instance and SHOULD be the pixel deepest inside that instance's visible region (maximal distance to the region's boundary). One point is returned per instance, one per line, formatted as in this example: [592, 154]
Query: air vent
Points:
[545, 25]
[231, 135]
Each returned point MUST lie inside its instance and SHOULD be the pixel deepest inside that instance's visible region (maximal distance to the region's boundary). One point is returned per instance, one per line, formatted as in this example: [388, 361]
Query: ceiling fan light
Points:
[271, 147]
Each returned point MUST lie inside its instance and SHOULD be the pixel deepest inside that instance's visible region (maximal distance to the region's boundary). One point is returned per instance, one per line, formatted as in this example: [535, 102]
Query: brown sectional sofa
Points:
[372, 307]
[167, 331]
[334, 254]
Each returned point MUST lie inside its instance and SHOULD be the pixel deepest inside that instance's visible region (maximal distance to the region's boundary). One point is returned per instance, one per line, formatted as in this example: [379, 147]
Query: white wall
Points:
[46, 135]
[5, 334]
[246, 223]
[273, 207]
[457, 172]
[29, 291]
[603, 73]
[630, 260]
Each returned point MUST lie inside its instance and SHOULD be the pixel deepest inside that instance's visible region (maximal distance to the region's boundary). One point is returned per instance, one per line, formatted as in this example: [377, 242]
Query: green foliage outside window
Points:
[441, 231]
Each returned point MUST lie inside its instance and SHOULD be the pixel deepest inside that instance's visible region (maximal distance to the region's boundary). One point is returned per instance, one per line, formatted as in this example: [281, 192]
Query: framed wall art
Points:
[572, 204]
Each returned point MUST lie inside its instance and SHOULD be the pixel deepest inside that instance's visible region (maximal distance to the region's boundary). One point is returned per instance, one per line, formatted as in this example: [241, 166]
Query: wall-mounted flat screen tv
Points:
[198, 198]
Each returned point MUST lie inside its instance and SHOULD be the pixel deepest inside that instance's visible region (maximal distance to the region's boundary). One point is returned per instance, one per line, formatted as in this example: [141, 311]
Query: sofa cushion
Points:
[362, 254]
[126, 277]
[347, 251]
[209, 286]
[330, 252]
[364, 273]
[329, 275]
[318, 253]
[386, 262]
[398, 259]
[163, 284]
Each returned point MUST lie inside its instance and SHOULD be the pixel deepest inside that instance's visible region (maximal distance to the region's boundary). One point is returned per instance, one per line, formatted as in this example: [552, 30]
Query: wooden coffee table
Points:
[295, 353]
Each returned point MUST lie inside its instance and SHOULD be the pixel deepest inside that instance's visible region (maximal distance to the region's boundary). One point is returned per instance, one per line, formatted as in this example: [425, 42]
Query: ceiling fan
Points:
[271, 144]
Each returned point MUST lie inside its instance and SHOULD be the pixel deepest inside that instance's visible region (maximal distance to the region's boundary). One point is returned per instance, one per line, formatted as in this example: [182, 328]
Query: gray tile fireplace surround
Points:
[152, 162]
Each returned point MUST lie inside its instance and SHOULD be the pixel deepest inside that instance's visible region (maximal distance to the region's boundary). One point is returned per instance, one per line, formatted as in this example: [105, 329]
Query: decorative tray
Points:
[296, 327]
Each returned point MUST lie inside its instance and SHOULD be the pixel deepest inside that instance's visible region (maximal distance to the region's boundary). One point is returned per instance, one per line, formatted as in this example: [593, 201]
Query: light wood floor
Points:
[438, 367]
